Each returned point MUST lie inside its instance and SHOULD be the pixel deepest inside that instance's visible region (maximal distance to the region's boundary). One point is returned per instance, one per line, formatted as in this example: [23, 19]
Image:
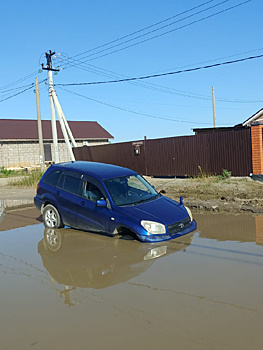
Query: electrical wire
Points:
[17, 88]
[143, 29]
[182, 19]
[18, 81]
[21, 92]
[79, 64]
[75, 64]
[162, 34]
[30, 86]
[162, 74]
[132, 111]
[164, 89]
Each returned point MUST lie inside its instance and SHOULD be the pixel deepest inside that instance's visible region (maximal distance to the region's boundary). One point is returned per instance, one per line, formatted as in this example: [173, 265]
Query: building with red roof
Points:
[19, 141]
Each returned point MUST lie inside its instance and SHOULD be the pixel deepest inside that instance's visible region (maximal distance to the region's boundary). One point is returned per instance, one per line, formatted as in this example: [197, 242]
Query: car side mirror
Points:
[101, 203]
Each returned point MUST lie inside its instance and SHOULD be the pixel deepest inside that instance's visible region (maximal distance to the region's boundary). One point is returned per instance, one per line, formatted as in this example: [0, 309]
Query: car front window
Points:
[130, 190]
[91, 192]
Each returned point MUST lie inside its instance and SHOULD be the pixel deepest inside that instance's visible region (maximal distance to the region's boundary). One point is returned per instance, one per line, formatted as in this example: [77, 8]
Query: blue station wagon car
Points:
[109, 199]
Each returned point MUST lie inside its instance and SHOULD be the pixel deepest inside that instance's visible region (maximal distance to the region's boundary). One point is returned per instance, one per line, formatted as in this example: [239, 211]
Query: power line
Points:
[162, 34]
[18, 81]
[132, 111]
[21, 92]
[30, 86]
[163, 74]
[17, 88]
[142, 35]
[214, 59]
[143, 29]
[150, 32]
[163, 89]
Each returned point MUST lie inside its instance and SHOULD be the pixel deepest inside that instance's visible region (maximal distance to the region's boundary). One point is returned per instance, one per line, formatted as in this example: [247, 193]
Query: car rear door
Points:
[68, 197]
[91, 217]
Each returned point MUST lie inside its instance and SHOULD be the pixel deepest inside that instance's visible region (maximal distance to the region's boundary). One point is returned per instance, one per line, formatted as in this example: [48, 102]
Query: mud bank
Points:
[233, 195]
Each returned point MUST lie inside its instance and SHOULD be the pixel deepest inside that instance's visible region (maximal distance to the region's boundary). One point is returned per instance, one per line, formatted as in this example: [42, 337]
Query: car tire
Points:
[51, 217]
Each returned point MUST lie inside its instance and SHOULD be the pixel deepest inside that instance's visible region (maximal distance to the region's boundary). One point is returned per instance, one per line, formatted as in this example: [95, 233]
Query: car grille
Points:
[178, 226]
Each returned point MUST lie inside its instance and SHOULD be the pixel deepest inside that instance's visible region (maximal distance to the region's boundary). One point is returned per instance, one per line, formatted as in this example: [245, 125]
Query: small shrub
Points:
[225, 175]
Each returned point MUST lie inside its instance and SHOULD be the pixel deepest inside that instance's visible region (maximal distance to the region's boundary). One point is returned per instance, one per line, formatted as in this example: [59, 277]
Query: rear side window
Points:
[71, 184]
[52, 178]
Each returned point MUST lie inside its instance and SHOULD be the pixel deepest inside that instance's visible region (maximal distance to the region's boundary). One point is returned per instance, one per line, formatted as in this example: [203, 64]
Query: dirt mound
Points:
[231, 195]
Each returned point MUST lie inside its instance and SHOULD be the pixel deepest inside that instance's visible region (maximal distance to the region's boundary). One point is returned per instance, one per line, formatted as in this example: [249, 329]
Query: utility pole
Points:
[54, 103]
[53, 116]
[62, 124]
[39, 126]
[214, 108]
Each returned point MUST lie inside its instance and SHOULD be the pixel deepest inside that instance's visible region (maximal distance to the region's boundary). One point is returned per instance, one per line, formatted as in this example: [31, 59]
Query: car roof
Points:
[102, 170]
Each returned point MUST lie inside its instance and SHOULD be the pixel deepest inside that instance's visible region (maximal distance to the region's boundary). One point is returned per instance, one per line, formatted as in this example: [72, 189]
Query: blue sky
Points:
[159, 107]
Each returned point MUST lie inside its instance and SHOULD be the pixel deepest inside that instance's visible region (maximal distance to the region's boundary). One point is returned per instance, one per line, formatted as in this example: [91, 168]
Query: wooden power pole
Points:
[214, 108]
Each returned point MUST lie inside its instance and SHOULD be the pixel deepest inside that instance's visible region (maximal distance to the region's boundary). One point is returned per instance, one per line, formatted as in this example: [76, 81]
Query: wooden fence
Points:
[179, 156]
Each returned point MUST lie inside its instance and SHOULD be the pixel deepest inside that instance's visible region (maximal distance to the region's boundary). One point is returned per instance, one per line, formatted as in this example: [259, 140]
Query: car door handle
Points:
[58, 193]
[82, 203]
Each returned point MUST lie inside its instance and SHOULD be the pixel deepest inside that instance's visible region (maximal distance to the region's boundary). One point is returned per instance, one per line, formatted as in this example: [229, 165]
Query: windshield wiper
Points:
[146, 199]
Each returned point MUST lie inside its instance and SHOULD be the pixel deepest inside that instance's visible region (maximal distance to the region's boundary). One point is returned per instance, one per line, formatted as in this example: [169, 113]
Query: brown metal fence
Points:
[178, 156]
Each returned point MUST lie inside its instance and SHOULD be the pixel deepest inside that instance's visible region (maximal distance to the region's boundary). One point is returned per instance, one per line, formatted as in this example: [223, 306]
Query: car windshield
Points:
[130, 190]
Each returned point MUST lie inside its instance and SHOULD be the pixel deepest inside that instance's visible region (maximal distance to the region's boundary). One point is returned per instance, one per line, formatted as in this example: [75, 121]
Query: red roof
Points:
[25, 129]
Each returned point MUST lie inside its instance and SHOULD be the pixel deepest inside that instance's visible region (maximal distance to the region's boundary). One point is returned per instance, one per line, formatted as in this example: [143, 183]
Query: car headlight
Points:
[154, 228]
[189, 213]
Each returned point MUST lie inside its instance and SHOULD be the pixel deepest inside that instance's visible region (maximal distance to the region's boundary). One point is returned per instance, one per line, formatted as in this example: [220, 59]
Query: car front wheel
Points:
[51, 217]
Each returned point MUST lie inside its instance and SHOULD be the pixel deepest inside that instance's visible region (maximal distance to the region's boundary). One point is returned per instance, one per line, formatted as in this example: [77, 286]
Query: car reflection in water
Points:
[77, 259]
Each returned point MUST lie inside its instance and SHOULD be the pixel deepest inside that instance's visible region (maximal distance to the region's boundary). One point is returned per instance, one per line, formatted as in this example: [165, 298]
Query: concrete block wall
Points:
[15, 154]
[18, 154]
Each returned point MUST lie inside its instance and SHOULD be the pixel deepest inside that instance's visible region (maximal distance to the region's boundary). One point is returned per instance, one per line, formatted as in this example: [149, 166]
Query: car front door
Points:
[91, 217]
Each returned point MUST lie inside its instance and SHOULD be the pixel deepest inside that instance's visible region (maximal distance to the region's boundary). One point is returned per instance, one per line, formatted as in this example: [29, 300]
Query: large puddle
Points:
[67, 289]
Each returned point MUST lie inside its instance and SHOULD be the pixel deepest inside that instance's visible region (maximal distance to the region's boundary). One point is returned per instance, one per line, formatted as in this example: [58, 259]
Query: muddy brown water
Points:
[68, 289]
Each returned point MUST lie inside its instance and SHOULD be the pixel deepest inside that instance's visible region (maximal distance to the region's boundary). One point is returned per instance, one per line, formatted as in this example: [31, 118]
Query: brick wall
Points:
[257, 148]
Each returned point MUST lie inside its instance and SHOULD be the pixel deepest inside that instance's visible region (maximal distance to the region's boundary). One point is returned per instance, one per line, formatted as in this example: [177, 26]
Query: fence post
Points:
[145, 159]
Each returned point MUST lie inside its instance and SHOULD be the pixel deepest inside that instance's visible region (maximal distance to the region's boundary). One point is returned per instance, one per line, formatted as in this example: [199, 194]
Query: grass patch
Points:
[27, 180]
[209, 177]
[203, 174]
[11, 173]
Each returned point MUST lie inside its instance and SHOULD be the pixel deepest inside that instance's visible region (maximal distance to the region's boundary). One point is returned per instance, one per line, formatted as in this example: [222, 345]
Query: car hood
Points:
[161, 209]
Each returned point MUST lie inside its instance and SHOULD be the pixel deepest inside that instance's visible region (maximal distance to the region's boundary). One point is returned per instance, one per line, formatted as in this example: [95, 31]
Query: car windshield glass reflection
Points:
[130, 190]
